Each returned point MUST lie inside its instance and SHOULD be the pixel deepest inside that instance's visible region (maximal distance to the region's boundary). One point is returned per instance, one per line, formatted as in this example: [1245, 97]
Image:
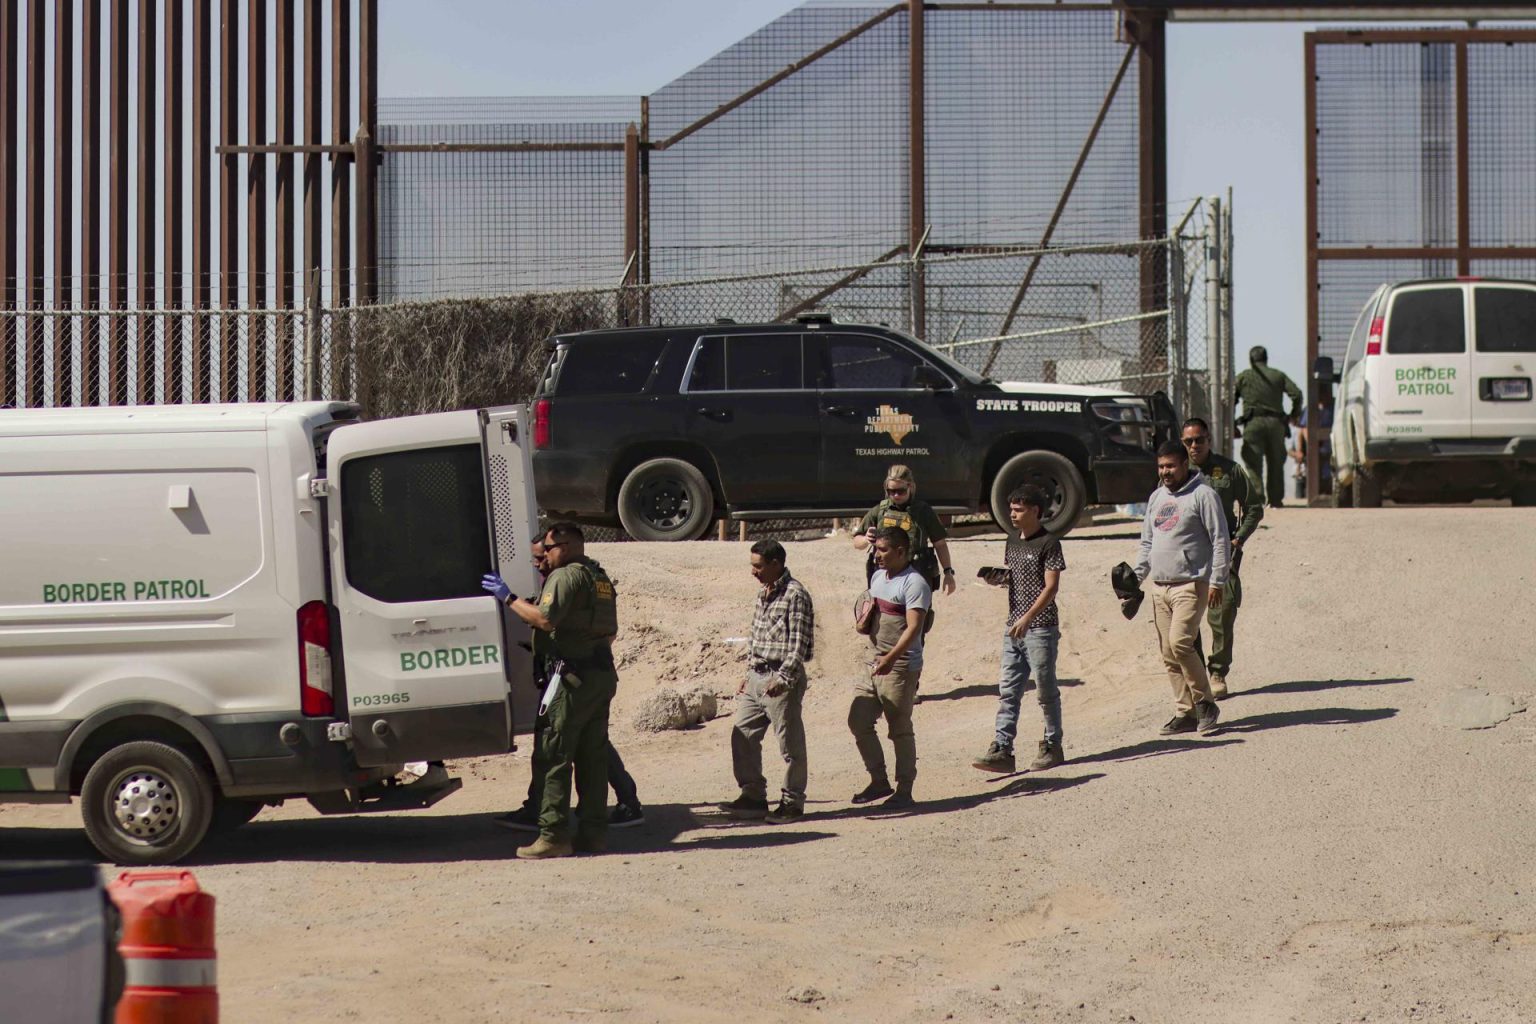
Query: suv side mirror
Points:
[1322, 370]
[926, 376]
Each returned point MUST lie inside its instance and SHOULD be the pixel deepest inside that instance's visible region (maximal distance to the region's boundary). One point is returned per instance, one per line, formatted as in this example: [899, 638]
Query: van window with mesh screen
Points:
[414, 524]
[609, 366]
[1506, 319]
[1430, 321]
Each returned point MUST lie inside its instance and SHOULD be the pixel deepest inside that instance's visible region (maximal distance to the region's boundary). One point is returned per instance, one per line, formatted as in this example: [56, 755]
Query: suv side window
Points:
[1427, 321]
[608, 366]
[1506, 319]
[863, 363]
[748, 362]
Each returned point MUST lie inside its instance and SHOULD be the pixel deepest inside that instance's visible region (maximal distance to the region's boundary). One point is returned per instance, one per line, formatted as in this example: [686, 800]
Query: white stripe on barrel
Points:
[156, 973]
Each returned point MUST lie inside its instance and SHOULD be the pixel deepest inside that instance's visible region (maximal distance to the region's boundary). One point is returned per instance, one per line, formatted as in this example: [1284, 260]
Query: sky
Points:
[1234, 98]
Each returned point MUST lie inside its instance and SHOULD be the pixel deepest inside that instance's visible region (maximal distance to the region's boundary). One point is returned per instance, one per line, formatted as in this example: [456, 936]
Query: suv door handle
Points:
[718, 415]
[845, 411]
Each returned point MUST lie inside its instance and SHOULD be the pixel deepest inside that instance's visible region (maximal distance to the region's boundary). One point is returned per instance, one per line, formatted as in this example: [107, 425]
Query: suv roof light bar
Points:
[814, 317]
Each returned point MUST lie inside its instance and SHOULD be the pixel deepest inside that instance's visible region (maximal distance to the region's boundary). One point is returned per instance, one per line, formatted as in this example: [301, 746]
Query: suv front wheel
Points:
[1054, 474]
[665, 499]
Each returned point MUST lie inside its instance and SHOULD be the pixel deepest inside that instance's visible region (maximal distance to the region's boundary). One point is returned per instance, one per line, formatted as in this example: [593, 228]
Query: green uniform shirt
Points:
[578, 600]
[918, 518]
[1262, 392]
[1235, 486]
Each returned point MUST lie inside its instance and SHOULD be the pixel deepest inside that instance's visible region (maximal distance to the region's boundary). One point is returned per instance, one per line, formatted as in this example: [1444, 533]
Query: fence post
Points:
[1216, 372]
[312, 335]
[1178, 326]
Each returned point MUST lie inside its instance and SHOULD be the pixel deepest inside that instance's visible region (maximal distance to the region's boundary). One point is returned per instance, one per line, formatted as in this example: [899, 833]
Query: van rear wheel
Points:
[146, 803]
[1054, 474]
[665, 499]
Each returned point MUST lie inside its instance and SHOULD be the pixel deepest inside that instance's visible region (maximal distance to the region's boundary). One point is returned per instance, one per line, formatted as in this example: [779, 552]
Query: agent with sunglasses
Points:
[902, 509]
[1240, 494]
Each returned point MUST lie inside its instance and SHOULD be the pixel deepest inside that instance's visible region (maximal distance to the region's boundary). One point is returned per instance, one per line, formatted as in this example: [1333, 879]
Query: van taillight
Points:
[542, 434]
[1373, 343]
[315, 660]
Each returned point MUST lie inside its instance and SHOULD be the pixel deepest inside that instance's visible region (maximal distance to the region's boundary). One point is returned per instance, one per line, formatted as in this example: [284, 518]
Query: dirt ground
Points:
[1344, 849]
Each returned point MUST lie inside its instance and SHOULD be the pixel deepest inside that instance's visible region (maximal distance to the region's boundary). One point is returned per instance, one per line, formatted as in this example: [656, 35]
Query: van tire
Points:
[125, 772]
[229, 814]
[664, 500]
[1366, 489]
[1342, 495]
[1055, 473]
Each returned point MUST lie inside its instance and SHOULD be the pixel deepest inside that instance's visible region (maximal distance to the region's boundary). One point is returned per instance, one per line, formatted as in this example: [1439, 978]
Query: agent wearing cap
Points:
[1238, 491]
[1262, 391]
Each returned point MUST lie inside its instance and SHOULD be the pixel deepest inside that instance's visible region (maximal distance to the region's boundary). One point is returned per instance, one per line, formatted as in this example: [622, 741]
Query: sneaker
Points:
[1218, 686]
[1178, 723]
[1206, 714]
[785, 814]
[524, 819]
[876, 790]
[544, 848]
[1049, 757]
[899, 800]
[746, 808]
[996, 759]
[625, 816]
[589, 844]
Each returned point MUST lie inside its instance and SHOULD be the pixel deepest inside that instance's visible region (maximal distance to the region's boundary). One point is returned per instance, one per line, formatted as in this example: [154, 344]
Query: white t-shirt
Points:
[895, 595]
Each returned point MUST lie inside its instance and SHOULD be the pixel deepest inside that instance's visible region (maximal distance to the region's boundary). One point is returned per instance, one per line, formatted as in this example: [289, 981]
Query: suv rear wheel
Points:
[1053, 473]
[146, 803]
[665, 499]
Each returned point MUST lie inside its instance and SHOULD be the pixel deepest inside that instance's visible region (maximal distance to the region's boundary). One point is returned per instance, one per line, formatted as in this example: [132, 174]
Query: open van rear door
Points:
[421, 644]
[509, 469]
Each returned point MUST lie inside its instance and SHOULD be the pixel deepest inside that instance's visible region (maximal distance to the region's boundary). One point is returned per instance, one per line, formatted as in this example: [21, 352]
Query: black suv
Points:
[666, 428]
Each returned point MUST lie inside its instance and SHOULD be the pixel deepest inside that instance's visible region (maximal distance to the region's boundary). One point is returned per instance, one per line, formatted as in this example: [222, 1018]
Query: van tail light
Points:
[1373, 342]
[542, 433]
[315, 660]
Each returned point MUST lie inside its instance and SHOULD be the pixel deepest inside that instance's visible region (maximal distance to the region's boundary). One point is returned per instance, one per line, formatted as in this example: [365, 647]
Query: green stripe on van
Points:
[15, 780]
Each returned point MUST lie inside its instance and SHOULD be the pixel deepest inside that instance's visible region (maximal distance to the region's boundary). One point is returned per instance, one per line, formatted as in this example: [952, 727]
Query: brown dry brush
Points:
[416, 357]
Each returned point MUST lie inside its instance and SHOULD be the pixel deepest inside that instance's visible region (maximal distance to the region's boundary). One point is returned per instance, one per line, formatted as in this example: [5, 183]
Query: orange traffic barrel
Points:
[167, 947]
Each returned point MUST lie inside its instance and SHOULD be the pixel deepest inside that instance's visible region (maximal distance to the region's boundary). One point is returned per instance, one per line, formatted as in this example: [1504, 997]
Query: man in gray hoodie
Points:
[1185, 552]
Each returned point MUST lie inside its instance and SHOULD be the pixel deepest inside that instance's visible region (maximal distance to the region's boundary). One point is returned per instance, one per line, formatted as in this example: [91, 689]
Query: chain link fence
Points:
[1066, 315]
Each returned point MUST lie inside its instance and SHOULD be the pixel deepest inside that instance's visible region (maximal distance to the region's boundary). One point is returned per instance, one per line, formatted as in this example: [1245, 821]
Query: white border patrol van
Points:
[1435, 397]
[206, 609]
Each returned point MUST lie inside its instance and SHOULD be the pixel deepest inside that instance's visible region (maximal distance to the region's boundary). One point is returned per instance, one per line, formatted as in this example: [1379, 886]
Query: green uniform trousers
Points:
[576, 740]
[1222, 619]
[1264, 448]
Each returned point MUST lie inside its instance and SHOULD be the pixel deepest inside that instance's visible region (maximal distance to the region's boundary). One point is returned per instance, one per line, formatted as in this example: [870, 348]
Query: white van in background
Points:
[1435, 395]
[206, 609]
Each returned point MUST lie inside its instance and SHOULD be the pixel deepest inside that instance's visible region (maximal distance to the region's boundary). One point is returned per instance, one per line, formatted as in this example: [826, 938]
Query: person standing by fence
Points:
[1263, 392]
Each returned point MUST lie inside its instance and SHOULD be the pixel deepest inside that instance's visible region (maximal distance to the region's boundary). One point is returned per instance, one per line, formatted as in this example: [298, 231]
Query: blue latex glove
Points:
[497, 587]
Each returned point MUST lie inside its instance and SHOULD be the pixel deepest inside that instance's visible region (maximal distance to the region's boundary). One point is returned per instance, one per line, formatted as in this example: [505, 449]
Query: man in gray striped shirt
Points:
[783, 624]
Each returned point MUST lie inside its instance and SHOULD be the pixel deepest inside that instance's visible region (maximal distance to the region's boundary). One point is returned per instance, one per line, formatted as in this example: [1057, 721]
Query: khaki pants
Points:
[1177, 609]
[891, 695]
[755, 712]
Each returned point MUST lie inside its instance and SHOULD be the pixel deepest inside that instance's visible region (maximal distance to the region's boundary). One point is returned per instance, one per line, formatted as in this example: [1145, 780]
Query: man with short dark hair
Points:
[1238, 491]
[890, 689]
[574, 623]
[783, 640]
[1033, 576]
[1184, 552]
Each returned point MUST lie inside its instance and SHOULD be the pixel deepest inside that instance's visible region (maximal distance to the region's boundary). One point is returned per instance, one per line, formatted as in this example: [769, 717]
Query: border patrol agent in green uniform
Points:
[1262, 392]
[574, 624]
[1237, 489]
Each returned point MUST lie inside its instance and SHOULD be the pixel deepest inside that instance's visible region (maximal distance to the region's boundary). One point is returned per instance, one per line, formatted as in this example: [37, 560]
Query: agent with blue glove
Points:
[574, 623]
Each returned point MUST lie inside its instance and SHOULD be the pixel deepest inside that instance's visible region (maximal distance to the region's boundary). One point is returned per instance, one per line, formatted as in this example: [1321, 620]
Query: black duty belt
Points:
[765, 664]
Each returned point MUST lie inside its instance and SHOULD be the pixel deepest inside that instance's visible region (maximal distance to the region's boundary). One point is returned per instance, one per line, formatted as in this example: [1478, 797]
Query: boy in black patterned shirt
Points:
[1035, 564]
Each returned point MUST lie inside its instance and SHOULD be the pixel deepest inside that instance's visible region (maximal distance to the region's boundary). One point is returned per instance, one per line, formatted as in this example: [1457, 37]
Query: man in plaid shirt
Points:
[783, 623]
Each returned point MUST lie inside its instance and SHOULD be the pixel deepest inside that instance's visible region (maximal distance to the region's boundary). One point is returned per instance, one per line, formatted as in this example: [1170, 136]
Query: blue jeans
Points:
[1034, 655]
